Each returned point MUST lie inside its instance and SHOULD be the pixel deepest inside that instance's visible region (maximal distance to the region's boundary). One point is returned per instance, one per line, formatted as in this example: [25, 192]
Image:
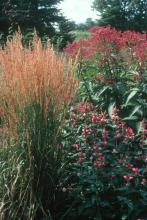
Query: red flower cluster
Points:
[105, 43]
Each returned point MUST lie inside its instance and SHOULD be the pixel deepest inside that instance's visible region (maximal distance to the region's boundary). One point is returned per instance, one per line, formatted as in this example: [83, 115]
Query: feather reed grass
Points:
[36, 87]
[33, 74]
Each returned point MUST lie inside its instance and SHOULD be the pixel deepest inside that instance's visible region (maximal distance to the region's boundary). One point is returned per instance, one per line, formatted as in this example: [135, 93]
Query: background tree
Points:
[86, 25]
[29, 14]
[89, 23]
[64, 34]
[122, 14]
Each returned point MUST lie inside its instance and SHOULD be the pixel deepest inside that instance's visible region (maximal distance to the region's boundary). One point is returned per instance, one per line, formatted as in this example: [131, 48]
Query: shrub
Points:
[36, 88]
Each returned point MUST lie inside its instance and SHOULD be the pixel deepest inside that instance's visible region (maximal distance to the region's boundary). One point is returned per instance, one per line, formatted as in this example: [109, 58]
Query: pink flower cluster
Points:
[106, 141]
[129, 134]
[99, 118]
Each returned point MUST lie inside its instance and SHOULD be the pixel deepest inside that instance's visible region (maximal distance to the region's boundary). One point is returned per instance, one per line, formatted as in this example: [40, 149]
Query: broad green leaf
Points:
[131, 95]
[103, 90]
[134, 111]
[133, 118]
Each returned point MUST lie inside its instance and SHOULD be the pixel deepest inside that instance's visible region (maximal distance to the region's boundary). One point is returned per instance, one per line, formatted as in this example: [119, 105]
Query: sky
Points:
[78, 10]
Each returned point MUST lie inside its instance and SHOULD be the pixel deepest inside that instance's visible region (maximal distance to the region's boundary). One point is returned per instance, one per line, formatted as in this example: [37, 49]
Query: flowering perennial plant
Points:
[113, 70]
[108, 159]
[105, 43]
[109, 162]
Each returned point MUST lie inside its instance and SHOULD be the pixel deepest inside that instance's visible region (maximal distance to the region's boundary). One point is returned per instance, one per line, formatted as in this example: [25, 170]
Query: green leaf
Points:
[110, 108]
[131, 95]
[103, 90]
[133, 118]
[124, 217]
[139, 127]
[135, 110]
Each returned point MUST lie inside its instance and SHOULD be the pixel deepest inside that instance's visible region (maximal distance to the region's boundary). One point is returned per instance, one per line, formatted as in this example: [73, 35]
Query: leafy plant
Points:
[107, 165]
[107, 128]
[112, 68]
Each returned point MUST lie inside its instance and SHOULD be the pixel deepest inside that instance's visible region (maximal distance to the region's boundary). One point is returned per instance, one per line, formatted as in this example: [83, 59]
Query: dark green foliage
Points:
[29, 14]
[122, 14]
[63, 34]
[86, 25]
[109, 146]
[101, 168]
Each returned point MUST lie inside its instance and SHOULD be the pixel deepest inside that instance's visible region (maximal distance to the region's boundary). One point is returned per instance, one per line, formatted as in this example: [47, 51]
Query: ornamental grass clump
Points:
[35, 90]
[32, 75]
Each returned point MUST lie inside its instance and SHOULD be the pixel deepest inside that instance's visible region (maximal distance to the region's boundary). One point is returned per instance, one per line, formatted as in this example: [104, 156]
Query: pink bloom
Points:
[120, 161]
[94, 120]
[81, 157]
[98, 164]
[104, 133]
[143, 181]
[129, 166]
[112, 176]
[81, 154]
[117, 135]
[142, 123]
[121, 124]
[83, 107]
[86, 131]
[129, 134]
[80, 160]
[116, 117]
[104, 142]
[101, 158]
[145, 131]
[136, 171]
[103, 121]
[100, 118]
[128, 177]
[75, 146]
[115, 110]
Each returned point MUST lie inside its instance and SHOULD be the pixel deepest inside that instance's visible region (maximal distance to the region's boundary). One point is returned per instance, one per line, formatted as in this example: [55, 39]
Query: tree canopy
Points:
[122, 14]
[29, 14]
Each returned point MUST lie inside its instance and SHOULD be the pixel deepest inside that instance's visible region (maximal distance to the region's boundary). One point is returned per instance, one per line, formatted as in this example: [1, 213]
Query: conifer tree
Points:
[29, 14]
[122, 14]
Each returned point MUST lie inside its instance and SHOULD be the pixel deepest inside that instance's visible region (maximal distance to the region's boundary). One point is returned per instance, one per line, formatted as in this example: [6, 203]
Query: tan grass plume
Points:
[33, 74]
